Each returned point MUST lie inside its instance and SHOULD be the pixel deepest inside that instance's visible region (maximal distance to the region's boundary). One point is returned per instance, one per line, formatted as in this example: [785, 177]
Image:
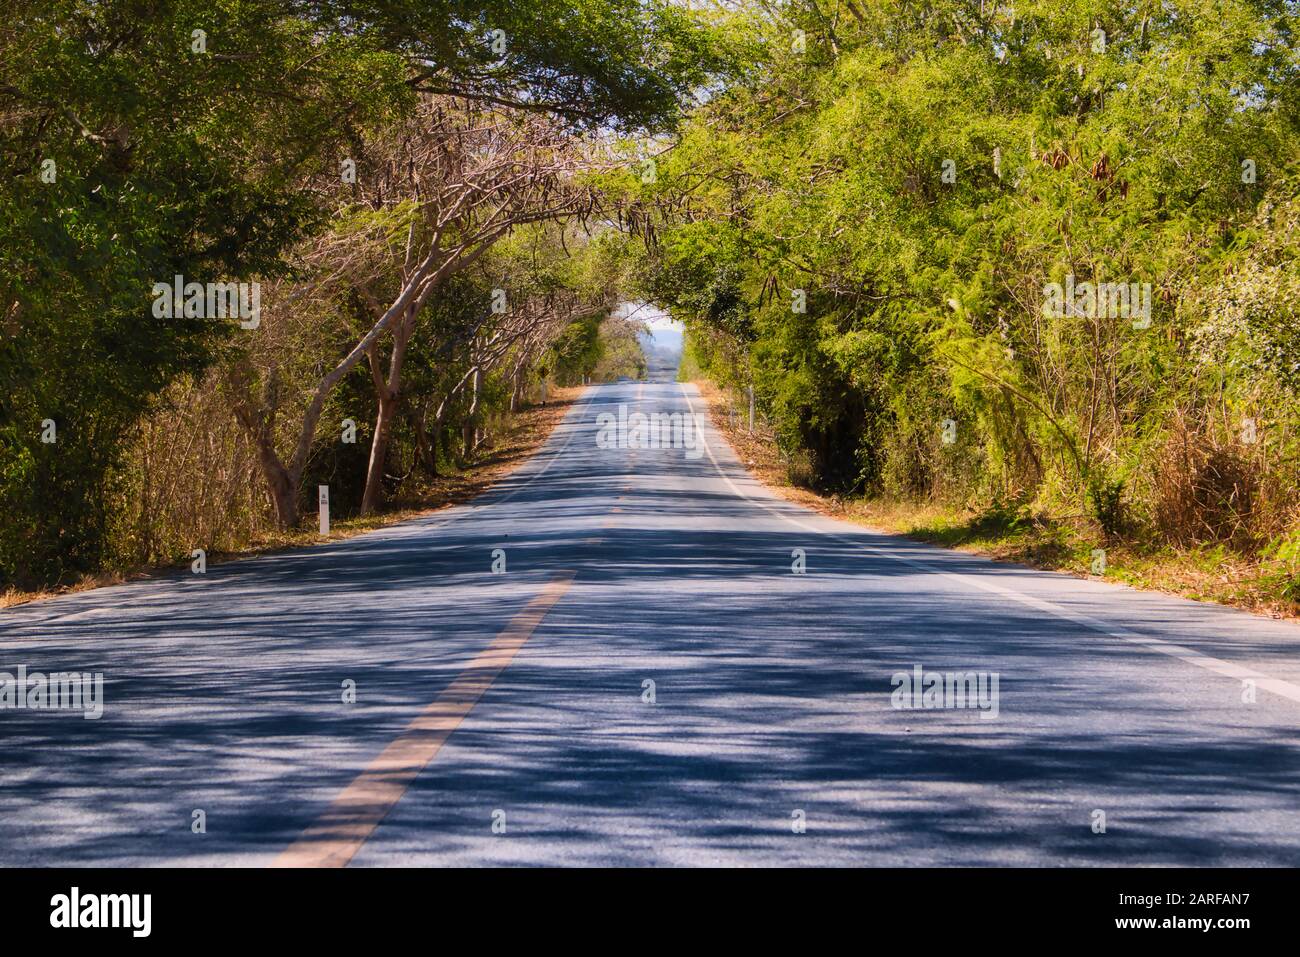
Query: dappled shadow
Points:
[773, 693]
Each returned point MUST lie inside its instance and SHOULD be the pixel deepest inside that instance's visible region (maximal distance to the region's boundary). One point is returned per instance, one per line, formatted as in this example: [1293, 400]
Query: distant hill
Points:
[663, 352]
[665, 337]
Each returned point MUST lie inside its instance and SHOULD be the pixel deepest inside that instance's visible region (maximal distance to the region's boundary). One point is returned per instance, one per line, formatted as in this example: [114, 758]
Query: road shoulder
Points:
[1208, 576]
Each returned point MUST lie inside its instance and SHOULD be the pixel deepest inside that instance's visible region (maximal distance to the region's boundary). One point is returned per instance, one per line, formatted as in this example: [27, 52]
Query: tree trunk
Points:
[471, 419]
[387, 392]
[259, 425]
[426, 439]
[280, 483]
[370, 499]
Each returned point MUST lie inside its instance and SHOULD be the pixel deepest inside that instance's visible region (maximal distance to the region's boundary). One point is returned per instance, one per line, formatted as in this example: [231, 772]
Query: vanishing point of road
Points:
[648, 682]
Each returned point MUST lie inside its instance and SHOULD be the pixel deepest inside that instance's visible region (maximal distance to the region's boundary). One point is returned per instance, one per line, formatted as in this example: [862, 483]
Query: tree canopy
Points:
[142, 140]
[868, 228]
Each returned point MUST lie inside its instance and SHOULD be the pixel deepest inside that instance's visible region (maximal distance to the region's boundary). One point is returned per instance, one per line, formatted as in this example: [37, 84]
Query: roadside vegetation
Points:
[1016, 276]
[404, 196]
[1065, 543]
[1020, 276]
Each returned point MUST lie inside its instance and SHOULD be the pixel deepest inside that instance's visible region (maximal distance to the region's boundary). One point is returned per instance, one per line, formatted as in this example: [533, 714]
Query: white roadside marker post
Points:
[324, 509]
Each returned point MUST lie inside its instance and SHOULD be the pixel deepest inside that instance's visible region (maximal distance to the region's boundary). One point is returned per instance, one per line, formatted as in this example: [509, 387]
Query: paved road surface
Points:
[516, 700]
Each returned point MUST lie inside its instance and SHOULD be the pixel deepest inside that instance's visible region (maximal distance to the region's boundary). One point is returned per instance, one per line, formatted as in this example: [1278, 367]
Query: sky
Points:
[666, 331]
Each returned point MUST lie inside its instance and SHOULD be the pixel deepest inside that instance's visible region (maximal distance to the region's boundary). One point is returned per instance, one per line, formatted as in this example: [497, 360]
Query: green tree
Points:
[867, 225]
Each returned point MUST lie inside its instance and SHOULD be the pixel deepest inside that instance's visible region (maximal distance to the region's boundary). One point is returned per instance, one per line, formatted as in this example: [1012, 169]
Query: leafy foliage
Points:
[867, 228]
[145, 139]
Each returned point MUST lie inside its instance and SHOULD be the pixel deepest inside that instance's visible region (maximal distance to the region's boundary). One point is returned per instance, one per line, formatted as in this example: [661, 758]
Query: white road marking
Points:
[454, 514]
[1191, 656]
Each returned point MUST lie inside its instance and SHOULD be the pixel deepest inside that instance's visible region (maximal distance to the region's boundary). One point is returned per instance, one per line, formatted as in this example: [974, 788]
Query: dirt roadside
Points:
[527, 431]
[1207, 574]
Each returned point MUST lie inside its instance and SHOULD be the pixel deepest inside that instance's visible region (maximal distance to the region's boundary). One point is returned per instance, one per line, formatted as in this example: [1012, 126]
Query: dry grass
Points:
[1205, 491]
[525, 433]
[1205, 572]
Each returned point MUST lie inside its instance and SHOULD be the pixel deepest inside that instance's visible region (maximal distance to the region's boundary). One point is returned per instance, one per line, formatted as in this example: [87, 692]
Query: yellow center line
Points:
[349, 821]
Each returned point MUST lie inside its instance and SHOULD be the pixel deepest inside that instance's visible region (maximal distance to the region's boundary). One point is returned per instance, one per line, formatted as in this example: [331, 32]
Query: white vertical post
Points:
[324, 491]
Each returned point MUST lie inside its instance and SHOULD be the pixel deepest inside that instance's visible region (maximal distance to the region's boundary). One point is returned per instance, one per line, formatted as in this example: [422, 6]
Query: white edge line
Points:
[1279, 687]
[455, 514]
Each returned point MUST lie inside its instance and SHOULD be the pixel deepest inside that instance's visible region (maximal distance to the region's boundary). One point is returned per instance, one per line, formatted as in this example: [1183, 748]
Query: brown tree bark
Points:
[387, 394]
[281, 483]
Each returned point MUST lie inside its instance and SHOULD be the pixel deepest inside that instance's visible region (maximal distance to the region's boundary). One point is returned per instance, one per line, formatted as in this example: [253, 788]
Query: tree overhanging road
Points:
[503, 718]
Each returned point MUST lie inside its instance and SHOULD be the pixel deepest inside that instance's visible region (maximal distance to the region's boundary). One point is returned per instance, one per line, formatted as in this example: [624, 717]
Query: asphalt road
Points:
[504, 718]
